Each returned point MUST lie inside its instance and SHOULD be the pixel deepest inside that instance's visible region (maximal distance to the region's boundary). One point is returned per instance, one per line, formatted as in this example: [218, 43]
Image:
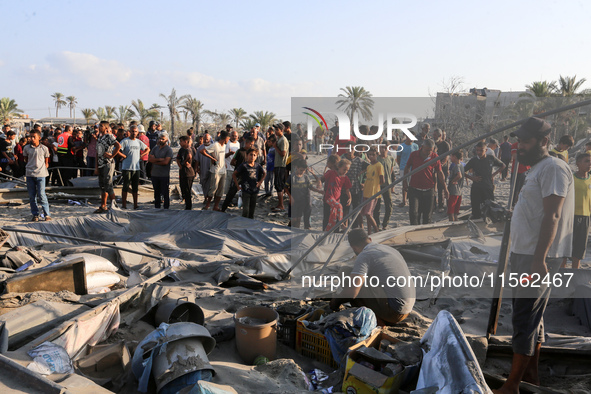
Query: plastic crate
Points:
[313, 344]
[286, 331]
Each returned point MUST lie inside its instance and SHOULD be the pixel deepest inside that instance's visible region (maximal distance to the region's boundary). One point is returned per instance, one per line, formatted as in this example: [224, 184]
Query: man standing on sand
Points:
[442, 147]
[160, 158]
[132, 149]
[421, 188]
[37, 159]
[424, 134]
[281, 154]
[541, 234]
[482, 177]
[216, 152]
[231, 148]
[204, 165]
[402, 158]
[152, 135]
[107, 148]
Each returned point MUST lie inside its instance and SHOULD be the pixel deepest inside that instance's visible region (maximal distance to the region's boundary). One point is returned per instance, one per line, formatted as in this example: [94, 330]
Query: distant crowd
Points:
[243, 169]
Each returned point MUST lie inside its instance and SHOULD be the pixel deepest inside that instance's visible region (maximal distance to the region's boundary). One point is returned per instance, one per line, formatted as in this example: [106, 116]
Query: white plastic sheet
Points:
[450, 363]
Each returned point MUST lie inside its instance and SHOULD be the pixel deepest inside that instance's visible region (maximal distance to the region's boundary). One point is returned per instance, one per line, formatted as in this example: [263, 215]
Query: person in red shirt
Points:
[421, 188]
[336, 183]
[144, 159]
[521, 170]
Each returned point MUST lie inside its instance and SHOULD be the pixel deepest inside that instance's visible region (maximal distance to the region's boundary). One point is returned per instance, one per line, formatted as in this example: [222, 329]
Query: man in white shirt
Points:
[217, 153]
[231, 148]
[541, 235]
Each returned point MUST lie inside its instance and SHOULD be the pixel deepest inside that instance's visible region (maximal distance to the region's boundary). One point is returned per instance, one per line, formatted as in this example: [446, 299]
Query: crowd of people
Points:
[237, 169]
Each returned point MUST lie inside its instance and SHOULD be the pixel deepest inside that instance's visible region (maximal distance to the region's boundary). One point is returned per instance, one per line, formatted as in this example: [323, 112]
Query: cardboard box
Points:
[360, 379]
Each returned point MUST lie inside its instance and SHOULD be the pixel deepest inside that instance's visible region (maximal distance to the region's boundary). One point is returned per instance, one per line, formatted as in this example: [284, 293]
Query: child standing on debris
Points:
[373, 183]
[36, 157]
[456, 182]
[248, 177]
[298, 189]
[184, 159]
[336, 183]
[582, 209]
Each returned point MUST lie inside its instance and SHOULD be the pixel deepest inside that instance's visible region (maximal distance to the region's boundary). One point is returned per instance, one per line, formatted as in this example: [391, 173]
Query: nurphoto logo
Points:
[393, 121]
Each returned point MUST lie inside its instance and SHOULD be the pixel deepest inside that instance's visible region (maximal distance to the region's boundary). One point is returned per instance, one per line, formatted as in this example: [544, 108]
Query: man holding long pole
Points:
[541, 233]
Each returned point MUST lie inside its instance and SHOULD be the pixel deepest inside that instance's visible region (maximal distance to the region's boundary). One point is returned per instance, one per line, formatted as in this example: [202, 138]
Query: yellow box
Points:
[360, 379]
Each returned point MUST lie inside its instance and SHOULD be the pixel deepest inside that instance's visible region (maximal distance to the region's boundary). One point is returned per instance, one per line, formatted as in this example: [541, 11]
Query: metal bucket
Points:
[163, 339]
[180, 358]
[176, 311]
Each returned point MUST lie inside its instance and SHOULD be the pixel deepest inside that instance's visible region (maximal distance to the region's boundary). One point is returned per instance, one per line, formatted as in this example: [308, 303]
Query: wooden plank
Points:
[67, 276]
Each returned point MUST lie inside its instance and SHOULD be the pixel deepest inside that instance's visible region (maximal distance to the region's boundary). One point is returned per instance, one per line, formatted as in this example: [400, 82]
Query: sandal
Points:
[100, 210]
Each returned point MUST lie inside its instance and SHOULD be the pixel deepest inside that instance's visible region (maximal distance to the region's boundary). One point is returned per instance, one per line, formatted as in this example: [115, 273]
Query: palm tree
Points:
[542, 88]
[248, 124]
[568, 86]
[142, 113]
[72, 101]
[194, 108]
[101, 114]
[59, 101]
[87, 113]
[8, 109]
[224, 119]
[125, 114]
[356, 100]
[264, 118]
[173, 103]
[238, 114]
[110, 111]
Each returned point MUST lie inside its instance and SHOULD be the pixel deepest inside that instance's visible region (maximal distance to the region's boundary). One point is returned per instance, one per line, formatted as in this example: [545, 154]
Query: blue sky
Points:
[259, 54]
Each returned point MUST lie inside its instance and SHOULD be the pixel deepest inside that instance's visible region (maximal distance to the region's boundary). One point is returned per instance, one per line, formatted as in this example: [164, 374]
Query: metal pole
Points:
[427, 164]
[335, 248]
[495, 307]
[13, 178]
[34, 232]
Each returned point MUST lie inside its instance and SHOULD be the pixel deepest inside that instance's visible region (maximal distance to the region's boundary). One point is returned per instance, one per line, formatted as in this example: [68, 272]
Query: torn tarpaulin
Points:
[450, 363]
[90, 329]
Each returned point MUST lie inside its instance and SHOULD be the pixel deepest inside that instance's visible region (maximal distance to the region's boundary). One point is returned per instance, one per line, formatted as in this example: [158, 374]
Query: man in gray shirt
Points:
[541, 235]
[37, 159]
[160, 157]
[384, 264]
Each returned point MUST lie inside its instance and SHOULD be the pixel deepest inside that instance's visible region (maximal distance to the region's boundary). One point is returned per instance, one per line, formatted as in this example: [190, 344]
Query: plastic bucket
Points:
[254, 339]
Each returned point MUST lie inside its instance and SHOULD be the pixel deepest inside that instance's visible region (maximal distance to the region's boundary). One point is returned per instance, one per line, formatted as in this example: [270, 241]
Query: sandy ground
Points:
[220, 304]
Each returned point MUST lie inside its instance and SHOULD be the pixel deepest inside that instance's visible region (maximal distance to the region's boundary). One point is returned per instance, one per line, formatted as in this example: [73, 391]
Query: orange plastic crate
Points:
[313, 344]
